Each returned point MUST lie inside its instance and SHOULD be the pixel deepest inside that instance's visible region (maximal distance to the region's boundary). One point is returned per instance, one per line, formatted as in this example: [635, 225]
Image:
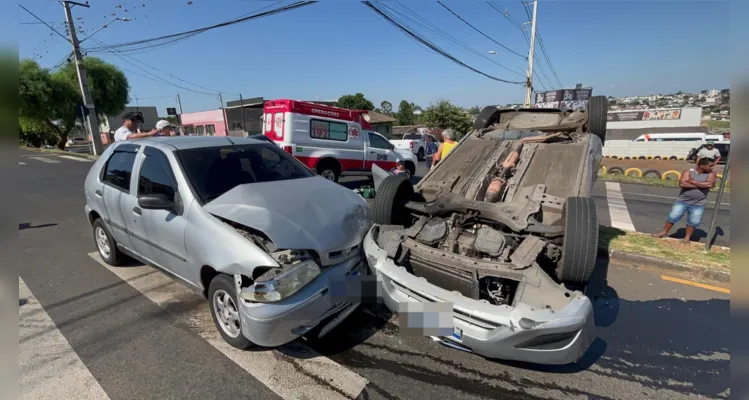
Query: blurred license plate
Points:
[457, 333]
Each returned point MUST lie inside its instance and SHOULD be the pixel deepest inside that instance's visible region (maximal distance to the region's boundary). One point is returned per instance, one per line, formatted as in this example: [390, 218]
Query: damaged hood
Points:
[310, 213]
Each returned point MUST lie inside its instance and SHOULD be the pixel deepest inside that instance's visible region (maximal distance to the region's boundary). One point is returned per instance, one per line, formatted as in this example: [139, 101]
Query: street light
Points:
[104, 26]
[496, 53]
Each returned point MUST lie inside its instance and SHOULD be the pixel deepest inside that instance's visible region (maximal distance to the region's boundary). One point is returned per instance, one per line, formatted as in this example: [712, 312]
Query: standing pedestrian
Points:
[695, 183]
[709, 151]
[445, 147]
[430, 150]
[128, 130]
[164, 128]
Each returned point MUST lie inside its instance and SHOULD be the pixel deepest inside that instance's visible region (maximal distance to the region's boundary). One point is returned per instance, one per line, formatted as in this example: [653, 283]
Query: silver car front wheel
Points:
[226, 313]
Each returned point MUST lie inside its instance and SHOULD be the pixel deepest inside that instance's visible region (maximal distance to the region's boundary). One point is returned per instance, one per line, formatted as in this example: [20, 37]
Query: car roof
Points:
[174, 143]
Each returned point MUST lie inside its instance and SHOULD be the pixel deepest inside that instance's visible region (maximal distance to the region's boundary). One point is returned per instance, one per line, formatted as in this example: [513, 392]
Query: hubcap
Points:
[226, 312]
[102, 242]
[328, 174]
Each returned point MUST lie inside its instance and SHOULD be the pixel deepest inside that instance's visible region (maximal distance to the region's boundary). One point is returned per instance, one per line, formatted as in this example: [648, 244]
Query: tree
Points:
[387, 108]
[405, 114]
[475, 110]
[48, 103]
[445, 115]
[355, 102]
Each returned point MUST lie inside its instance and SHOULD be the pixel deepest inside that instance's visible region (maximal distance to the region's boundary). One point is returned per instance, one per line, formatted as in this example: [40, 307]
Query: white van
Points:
[333, 141]
[678, 137]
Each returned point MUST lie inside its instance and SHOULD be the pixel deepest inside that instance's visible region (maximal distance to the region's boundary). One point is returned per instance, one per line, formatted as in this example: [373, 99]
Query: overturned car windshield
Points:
[213, 171]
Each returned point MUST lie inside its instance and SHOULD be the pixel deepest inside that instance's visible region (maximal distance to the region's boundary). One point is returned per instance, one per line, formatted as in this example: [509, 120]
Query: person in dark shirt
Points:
[431, 148]
[695, 183]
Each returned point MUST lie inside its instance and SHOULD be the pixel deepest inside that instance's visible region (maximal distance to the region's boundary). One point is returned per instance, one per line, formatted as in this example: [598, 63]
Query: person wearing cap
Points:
[130, 122]
[164, 128]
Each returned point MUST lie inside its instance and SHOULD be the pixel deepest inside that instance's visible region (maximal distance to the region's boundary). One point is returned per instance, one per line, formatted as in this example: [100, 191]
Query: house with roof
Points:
[381, 123]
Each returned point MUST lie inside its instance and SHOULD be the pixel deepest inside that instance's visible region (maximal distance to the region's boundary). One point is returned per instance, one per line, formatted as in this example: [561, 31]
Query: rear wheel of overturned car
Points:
[389, 205]
[106, 245]
[486, 118]
[580, 245]
[598, 107]
[224, 307]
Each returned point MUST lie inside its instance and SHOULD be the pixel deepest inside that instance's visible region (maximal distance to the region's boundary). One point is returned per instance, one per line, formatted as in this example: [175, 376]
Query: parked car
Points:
[240, 220]
[77, 141]
[413, 142]
[498, 229]
[334, 141]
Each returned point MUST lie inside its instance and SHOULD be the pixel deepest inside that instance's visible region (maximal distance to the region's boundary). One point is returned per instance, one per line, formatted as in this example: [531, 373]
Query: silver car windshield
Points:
[213, 171]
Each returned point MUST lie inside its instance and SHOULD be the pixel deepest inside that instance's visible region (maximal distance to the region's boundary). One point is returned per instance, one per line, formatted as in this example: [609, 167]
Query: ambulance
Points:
[333, 141]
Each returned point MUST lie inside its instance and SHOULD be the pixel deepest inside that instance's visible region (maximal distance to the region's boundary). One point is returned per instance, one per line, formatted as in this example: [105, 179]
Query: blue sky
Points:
[338, 47]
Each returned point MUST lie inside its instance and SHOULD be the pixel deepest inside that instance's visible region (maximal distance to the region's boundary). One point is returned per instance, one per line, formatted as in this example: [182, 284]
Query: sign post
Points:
[721, 189]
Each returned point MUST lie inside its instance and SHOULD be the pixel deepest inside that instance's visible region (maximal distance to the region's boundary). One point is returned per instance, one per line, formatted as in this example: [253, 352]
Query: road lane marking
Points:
[618, 211]
[49, 367]
[696, 284]
[76, 158]
[672, 198]
[293, 371]
[45, 160]
[21, 163]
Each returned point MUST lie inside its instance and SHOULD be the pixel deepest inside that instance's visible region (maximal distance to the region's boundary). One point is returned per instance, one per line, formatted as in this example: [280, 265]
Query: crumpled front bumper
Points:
[519, 333]
[278, 323]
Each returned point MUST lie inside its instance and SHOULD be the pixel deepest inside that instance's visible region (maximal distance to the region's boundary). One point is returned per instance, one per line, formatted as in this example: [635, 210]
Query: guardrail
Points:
[629, 150]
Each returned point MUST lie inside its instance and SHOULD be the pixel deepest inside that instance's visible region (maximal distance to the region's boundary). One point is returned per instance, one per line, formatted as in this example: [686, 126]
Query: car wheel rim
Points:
[102, 243]
[328, 174]
[226, 313]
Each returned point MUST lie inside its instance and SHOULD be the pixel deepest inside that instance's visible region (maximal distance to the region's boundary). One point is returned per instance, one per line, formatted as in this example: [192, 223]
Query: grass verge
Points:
[692, 254]
[653, 181]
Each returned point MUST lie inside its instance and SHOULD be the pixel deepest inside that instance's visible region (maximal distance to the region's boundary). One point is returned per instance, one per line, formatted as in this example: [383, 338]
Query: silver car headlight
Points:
[276, 285]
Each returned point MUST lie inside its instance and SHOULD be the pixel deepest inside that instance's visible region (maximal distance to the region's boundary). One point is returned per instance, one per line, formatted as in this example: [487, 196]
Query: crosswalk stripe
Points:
[618, 211]
[81, 159]
[45, 160]
[293, 372]
[49, 367]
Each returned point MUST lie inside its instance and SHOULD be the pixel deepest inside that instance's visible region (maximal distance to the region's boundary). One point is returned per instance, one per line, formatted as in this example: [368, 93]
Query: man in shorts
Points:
[695, 183]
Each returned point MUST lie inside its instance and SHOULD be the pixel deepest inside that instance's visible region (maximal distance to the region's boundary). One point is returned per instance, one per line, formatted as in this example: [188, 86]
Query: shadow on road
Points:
[698, 234]
[28, 225]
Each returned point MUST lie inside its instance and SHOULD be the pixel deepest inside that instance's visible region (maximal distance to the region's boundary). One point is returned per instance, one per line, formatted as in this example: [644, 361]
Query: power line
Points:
[439, 32]
[431, 45]
[48, 25]
[482, 33]
[207, 28]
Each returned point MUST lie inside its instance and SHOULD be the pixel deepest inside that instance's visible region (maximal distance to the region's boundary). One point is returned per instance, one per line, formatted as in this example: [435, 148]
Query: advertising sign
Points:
[566, 99]
[644, 115]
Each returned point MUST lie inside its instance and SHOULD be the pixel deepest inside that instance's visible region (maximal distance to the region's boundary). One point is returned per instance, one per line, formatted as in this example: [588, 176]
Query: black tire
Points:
[115, 256]
[615, 171]
[411, 168]
[420, 154]
[598, 107]
[653, 172]
[329, 169]
[225, 283]
[393, 193]
[486, 118]
[580, 245]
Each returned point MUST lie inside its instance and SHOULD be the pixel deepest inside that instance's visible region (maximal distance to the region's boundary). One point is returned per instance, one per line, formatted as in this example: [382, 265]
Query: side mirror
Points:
[155, 202]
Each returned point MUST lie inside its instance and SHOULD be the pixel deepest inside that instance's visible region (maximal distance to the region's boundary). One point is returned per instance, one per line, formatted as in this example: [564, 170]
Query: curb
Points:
[635, 259]
[64, 153]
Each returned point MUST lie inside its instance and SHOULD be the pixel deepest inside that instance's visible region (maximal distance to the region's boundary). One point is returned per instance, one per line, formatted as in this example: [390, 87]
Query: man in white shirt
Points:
[709, 151]
[130, 122]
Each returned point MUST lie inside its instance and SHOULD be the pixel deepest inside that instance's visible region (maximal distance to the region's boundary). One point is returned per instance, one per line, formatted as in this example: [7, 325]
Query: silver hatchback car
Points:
[244, 222]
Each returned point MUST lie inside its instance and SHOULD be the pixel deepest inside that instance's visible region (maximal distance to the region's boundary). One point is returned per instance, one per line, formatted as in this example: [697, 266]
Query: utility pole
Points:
[226, 121]
[241, 107]
[179, 117]
[531, 55]
[88, 101]
[721, 189]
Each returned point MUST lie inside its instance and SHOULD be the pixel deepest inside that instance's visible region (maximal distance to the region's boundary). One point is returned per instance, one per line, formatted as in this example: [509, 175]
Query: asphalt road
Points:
[87, 331]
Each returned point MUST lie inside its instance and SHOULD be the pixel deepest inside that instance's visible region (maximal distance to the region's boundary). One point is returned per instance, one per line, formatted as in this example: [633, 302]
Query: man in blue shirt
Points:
[431, 148]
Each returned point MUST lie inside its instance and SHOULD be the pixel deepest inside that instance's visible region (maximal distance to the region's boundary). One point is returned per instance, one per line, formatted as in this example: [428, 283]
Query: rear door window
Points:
[119, 169]
[156, 175]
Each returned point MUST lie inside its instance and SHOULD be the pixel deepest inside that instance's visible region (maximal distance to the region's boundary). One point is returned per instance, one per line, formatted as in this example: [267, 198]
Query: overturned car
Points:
[500, 228]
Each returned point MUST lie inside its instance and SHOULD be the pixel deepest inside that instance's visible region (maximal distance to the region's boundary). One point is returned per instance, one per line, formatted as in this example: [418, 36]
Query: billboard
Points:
[644, 115]
[566, 99]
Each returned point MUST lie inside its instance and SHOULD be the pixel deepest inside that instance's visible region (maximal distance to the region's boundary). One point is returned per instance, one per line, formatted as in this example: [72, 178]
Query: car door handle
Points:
[98, 192]
[136, 210]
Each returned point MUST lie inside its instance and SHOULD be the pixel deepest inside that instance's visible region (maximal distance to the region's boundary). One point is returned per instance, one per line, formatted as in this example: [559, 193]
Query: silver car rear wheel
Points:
[227, 314]
[102, 242]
